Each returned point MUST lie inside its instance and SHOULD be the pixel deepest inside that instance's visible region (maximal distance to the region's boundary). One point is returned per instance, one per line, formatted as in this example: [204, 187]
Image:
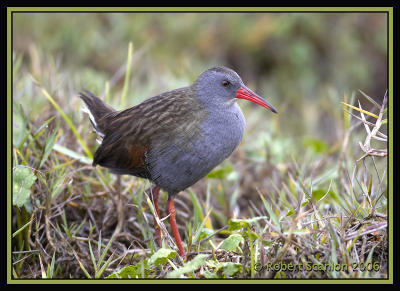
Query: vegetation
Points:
[304, 196]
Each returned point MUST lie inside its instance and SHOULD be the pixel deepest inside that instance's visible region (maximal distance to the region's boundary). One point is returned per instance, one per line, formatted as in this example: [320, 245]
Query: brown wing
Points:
[122, 150]
[122, 158]
[130, 134]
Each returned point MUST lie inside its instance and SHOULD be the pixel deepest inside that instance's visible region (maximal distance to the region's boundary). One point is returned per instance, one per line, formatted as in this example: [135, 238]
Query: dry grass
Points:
[323, 212]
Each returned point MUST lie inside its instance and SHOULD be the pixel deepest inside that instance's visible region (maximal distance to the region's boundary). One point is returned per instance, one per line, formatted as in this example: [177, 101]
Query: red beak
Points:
[246, 93]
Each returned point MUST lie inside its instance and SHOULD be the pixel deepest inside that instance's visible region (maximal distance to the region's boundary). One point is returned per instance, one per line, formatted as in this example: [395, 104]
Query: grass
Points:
[278, 208]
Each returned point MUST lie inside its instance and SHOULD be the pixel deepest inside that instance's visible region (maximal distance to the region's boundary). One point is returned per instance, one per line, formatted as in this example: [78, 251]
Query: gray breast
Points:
[178, 167]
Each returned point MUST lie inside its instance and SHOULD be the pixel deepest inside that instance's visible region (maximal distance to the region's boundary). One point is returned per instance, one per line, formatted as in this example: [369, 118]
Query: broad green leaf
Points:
[161, 256]
[232, 242]
[23, 179]
[221, 173]
[140, 270]
[190, 266]
[124, 273]
[210, 275]
[235, 223]
[231, 268]
[318, 194]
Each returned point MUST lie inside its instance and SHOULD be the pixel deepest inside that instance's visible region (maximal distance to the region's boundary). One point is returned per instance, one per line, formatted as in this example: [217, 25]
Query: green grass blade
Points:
[198, 232]
[92, 256]
[69, 122]
[270, 212]
[50, 269]
[43, 126]
[361, 110]
[197, 209]
[21, 229]
[72, 154]
[100, 272]
[127, 75]
[84, 270]
[104, 252]
[49, 146]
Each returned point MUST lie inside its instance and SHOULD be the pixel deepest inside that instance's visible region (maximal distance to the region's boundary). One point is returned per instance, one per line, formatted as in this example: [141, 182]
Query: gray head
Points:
[221, 86]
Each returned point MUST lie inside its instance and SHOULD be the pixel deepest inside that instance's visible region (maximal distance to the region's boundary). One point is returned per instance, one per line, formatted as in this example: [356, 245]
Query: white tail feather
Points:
[86, 110]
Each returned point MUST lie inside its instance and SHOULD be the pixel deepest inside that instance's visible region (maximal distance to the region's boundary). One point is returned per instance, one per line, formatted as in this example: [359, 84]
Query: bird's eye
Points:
[225, 83]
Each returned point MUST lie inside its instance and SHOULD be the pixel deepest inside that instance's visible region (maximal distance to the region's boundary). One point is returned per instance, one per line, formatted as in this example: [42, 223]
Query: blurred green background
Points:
[303, 63]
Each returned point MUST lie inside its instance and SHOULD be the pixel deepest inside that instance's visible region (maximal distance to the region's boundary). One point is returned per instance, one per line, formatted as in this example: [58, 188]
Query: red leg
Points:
[155, 195]
[174, 226]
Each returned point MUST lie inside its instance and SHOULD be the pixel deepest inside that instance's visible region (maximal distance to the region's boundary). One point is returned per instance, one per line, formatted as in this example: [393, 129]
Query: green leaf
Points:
[23, 179]
[72, 154]
[161, 256]
[250, 235]
[290, 212]
[127, 74]
[232, 242]
[43, 127]
[210, 275]
[204, 232]
[317, 145]
[124, 273]
[21, 229]
[140, 270]
[236, 224]
[318, 194]
[197, 209]
[299, 231]
[231, 269]
[48, 147]
[191, 266]
[201, 231]
[221, 173]
[270, 212]
[50, 268]
[305, 202]
[57, 186]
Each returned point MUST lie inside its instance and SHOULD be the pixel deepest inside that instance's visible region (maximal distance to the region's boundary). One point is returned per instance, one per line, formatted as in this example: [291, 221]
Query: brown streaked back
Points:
[168, 118]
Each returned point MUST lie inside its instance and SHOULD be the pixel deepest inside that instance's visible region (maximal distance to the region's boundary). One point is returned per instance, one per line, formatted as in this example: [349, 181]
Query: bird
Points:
[176, 138]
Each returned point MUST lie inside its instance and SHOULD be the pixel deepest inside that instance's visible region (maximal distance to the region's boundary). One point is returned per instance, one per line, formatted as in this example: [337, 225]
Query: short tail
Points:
[96, 109]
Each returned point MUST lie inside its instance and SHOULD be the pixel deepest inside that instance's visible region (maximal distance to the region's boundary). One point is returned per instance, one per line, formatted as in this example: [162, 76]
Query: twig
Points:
[120, 209]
